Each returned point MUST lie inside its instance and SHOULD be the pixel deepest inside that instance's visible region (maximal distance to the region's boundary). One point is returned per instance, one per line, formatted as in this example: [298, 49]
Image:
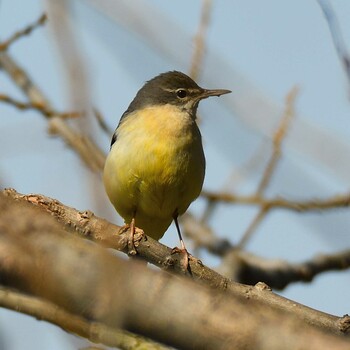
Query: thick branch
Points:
[36, 256]
[101, 231]
[94, 331]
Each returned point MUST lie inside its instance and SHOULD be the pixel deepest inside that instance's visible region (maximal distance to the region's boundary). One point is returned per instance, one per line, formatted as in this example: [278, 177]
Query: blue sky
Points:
[259, 50]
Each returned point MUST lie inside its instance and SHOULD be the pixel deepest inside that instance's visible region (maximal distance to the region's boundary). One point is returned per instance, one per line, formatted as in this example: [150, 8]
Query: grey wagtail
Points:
[156, 165]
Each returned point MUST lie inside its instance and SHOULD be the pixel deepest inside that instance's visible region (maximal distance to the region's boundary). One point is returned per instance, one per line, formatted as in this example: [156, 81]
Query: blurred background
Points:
[96, 55]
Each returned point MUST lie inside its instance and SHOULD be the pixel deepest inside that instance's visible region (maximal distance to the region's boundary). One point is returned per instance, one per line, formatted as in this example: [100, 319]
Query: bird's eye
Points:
[181, 93]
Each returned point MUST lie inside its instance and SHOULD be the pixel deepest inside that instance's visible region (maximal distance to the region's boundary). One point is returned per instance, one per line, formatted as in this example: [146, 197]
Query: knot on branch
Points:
[344, 324]
[263, 286]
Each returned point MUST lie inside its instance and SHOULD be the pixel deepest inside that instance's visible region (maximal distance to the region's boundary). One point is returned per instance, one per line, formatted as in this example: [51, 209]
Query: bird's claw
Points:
[185, 256]
[135, 236]
[131, 248]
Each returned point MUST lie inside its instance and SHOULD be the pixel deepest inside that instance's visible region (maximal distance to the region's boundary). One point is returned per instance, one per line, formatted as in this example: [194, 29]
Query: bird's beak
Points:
[217, 92]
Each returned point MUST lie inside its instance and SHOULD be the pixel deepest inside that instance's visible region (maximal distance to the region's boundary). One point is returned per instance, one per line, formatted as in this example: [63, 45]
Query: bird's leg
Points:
[133, 229]
[131, 245]
[123, 229]
[182, 251]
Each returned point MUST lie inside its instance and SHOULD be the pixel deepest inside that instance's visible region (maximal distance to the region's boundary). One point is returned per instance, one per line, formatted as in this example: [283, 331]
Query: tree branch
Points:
[36, 106]
[36, 256]
[94, 331]
[87, 225]
[88, 151]
[336, 35]
[277, 140]
[317, 204]
[250, 269]
[199, 40]
[26, 31]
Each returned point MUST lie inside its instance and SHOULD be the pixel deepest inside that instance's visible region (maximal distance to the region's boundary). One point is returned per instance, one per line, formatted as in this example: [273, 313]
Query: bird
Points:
[156, 165]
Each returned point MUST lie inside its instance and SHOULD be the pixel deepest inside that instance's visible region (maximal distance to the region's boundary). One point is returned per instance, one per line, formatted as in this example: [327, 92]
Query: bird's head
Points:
[173, 88]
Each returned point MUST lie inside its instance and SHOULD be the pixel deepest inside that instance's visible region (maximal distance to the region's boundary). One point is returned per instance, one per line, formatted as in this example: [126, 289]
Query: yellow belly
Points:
[155, 168]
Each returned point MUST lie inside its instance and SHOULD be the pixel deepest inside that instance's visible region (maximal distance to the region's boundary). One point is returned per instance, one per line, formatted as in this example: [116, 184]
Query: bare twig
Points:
[337, 36]
[26, 31]
[38, 107]
[199, 45]
[271, 165]
[82, 144]
[317, 204]
[250, 268]
[89, 152]
[258, 218]
[94, 331]
[22, 80]
[237, 175]
[102, 123]
[278, 137]
[203, 236]
[64, 34]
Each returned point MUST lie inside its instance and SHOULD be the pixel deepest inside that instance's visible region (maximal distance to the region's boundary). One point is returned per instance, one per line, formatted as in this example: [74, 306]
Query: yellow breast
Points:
[155, 168]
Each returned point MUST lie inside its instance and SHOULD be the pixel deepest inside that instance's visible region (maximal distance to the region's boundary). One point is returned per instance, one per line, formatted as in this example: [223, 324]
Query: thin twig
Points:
[83, 145]
[38, 106]
[250, 268]
[88, 151]
[238, 175]
[259, 217]
[336, 35]
[203, 236]
[278, 138]
[64, 34]
[20, 78]
[26, 31]
[102, 123]
[199, 45]
[270, 169]
[317, 204]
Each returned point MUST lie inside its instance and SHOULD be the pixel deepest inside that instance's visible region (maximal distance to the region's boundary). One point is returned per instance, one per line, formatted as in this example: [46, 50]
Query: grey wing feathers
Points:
[114, 137]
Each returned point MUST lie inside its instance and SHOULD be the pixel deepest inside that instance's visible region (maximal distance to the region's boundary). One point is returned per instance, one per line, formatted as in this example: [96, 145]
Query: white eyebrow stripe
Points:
[180, 88]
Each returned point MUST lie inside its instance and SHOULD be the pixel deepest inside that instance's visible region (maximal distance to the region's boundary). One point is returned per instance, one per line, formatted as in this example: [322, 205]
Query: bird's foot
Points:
[185, 257]
[135, 236]
[123, 229]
